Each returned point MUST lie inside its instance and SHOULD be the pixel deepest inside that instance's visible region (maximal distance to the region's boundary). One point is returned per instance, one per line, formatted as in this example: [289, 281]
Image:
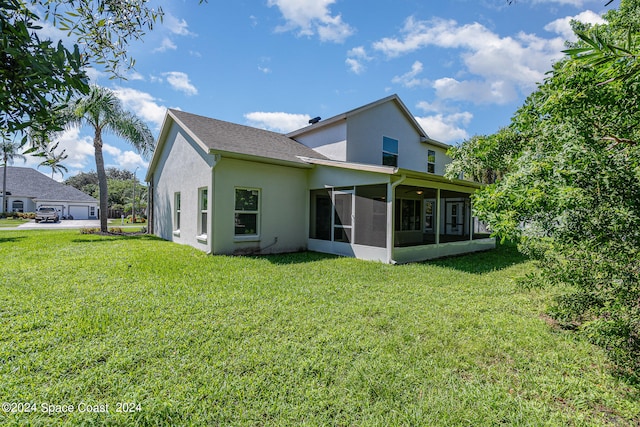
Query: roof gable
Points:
[392, 98]
[226, 138]
[27, 182]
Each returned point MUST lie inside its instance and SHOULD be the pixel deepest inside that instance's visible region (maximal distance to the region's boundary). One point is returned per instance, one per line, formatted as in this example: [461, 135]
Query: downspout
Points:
[391, 188]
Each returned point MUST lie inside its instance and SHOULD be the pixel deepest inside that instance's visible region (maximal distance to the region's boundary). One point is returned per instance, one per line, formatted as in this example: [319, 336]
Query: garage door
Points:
[79, 212]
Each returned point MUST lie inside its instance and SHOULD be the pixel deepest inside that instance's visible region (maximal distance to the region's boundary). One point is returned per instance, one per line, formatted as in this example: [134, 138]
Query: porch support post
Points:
[471, 221]
[438, 216]
[391, 187]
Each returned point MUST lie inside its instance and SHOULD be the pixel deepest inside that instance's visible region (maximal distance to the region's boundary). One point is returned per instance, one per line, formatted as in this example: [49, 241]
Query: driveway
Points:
[65, 223]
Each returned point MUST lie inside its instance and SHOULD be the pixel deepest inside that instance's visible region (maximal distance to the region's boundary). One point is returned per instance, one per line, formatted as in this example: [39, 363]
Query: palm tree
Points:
[54, 161]
[103, 111]
[9, 152]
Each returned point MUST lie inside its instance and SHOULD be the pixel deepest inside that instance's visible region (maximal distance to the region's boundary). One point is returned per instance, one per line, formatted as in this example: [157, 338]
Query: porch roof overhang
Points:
[412, 177]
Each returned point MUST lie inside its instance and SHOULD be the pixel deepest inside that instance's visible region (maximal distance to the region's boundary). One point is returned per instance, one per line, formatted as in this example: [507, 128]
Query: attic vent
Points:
[314, 120]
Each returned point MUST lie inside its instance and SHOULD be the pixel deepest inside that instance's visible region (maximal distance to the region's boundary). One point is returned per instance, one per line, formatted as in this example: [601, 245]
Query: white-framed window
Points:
[176, 212]
[389, 151]
[247, 212]
[431, 161]
[203, 208]
[92, 211]
[18, 206]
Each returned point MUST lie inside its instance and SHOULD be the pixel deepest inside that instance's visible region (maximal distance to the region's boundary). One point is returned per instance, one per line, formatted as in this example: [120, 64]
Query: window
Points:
[18, 206]
[203, 206]
[247, 212]
[176, 212]
[92, 211]
[431, 161]
[389, 151]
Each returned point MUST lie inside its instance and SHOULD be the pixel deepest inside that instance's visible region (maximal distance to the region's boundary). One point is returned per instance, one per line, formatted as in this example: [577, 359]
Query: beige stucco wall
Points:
[283, 206]
[366, 130]
[183, 167]
[330, 140]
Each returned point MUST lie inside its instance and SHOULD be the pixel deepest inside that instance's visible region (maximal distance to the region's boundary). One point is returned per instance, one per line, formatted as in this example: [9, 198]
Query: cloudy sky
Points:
[461, 66]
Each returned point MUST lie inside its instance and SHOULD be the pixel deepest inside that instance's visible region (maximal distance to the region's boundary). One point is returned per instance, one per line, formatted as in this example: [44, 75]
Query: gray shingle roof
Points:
[228, 137]
[27, 182]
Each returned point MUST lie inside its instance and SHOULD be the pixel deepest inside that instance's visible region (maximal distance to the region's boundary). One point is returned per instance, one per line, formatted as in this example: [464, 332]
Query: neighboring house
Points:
[28, 190]
[367, 183]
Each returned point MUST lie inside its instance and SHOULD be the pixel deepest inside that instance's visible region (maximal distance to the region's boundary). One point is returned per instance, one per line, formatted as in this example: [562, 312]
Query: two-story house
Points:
[367, 183]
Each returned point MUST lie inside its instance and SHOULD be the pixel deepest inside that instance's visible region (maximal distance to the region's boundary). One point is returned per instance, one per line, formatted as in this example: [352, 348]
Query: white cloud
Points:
[167, 44]
[265, 70]
[180, 82]
[576, 3]
[177, 26]
[277, 122]
[356, 58]
[562, 26]
[79, 149]
[93, 74]
[409, 79]
[501, 66]
[142, 104]
[311, 17]
[127, 160]
[479, 91]
[52, 33]
[446, 128]
[134, 75]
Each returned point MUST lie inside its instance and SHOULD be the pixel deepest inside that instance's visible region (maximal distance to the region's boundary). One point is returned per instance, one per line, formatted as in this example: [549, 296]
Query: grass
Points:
[302, 339]
[12, 222]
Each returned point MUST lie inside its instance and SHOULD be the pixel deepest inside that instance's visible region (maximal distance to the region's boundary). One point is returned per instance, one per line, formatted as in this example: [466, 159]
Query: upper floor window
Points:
[431, 161]
[389, 151]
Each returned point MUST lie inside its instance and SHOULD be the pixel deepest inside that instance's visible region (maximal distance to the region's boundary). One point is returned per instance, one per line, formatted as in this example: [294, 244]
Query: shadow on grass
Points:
[109, 237]
[296, 257]
[10, 239]
[503, 256]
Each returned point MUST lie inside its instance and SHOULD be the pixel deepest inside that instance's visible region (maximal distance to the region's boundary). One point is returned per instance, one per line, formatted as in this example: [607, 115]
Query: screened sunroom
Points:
[396, 222]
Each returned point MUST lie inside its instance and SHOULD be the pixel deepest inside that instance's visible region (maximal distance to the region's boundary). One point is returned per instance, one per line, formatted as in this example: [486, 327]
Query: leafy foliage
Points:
[120, 185]
[571, 191]
[42, 75]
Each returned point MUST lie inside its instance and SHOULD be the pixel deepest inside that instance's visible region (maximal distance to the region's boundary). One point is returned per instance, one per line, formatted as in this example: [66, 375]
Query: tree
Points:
[102, 111]
[53, 160]
[42, 76]
[39, 74]
[570, 193]
[9, 152]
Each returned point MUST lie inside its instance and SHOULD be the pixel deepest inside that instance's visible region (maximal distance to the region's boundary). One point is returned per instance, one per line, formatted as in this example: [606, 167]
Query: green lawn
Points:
[302, 339]
[13, 222]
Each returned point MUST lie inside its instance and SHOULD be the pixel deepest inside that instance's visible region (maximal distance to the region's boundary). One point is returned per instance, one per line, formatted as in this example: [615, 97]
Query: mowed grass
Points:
[12, 222]
[301, 339]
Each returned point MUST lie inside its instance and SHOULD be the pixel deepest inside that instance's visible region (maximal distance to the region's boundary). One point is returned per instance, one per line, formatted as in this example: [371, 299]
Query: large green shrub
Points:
[569, 186]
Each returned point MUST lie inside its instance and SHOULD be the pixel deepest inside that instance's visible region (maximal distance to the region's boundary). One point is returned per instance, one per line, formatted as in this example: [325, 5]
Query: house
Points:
[28, 190]
[367, 183]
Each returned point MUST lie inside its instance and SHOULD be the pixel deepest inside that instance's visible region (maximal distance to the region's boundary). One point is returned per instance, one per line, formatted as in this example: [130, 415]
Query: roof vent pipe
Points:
[314, 120]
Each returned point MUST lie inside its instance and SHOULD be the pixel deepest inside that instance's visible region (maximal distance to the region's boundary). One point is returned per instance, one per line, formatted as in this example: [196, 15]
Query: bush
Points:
[89, 230]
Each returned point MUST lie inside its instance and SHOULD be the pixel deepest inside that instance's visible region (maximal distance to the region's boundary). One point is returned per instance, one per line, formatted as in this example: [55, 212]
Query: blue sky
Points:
[462, 67]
